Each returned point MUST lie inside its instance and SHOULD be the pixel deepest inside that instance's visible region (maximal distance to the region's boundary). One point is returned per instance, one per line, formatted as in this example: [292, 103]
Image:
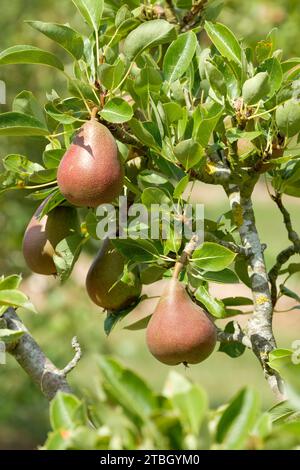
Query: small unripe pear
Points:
[42, 236]
[90, 173]
[103, 282]
[179, 331]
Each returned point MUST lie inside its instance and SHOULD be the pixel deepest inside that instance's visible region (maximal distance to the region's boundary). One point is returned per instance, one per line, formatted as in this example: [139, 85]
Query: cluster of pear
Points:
[90, 173]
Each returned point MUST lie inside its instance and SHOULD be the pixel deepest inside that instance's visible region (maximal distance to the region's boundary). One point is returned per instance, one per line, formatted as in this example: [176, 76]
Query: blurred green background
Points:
[66, 311]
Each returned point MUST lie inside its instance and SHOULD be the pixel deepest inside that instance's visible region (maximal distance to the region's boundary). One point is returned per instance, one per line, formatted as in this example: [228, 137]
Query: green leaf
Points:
[91, 11]
[214, 306]
[256, 88]
[20, 165]
[236, 301]
[173, 111]
[19, 124]
[154, 196]
[148, 35]
[288, 117]
[238, 420]
[189, 399]
[69, 39]
[29, 55]
[26, 103]
[273, 68]
[52, 158]
[234, 348]
[111, 75]
[189, 153]
[127, 389]
[142, 133]
[78, 88]
[212, 257]
[117, 110]
[136, 250]
[63, 410]
[179, 56]
[208, 123]
[10, 282]
[58, 116]
[225, 41]
[10, 336]
[15, 298]
[180, 187]
[226, 276]
[67, 252]
[216, 79]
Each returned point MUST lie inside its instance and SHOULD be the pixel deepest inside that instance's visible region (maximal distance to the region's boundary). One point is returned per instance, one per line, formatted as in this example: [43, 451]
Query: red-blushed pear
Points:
[42, 236]
[103, 282]
[179, 331]
[90, 173]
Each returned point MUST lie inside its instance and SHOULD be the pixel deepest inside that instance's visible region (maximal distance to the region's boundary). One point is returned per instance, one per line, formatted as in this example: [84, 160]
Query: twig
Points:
[185, 255]
[259, 325]
[35, 363]
[192, 16]
[170, 12]
[230, 245]
[281, 259]
[292, 234]
[73, 363]
[238, 336]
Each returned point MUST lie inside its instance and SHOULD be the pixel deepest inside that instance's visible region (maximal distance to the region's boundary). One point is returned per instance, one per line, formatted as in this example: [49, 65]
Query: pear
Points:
[179, 331]
[90, 172]
[42, 236]
[103, 284]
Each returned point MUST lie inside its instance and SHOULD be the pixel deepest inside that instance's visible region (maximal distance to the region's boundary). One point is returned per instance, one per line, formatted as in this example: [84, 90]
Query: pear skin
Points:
[102, 283]
[90, 173]
[179, 331]
[42, 236]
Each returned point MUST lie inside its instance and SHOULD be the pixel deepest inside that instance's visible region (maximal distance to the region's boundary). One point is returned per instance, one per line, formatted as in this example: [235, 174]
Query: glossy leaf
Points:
[225, 41]
[29, 55]
[117, 110]
[19, 124]
[91, 11]
[213, 257]
[179, 56]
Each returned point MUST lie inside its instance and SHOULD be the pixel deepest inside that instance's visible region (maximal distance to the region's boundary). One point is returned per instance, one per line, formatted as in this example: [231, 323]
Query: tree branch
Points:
[292, 234]
[281, 259]
[35, 363]
[192, 16]
[238, 336]
[259, 326]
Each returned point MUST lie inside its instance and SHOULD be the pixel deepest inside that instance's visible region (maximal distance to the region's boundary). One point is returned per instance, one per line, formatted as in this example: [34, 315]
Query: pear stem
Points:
[94, 112]
[185, 255]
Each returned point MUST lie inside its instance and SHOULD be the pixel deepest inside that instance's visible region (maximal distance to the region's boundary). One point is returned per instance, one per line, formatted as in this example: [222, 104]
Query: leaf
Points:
[213, 257]
[288, 117]
[214, 306]
[117, 110]
[179, 56]
[236, 301]
[189, 399]
[154, 196]
[208, 123]
[10, 282]
[226, 276]
[111, 75]
[216, 79]
[273, 68]
[127, 389]
[26, 103]
[20, 165]
[69, 39]
[225, 41]
[136, 250]
[234, 348]
[52, 158]
[59, 116]
[173, 111]
[29, 55]
[10, 336]
[238, 420]
[189, 153]
[79, 89]
[148, 35]
[67, 252]
[19, 124]
[141, 133]
[180, 187]
[256, 88]
[289, 293]
[63, 410]
[15, 298]
[91, 11]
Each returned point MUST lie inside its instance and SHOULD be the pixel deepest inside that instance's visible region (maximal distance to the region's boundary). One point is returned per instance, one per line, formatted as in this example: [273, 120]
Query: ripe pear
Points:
[42, 236]
[179, 331]
[90, 172]
[103, 284]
